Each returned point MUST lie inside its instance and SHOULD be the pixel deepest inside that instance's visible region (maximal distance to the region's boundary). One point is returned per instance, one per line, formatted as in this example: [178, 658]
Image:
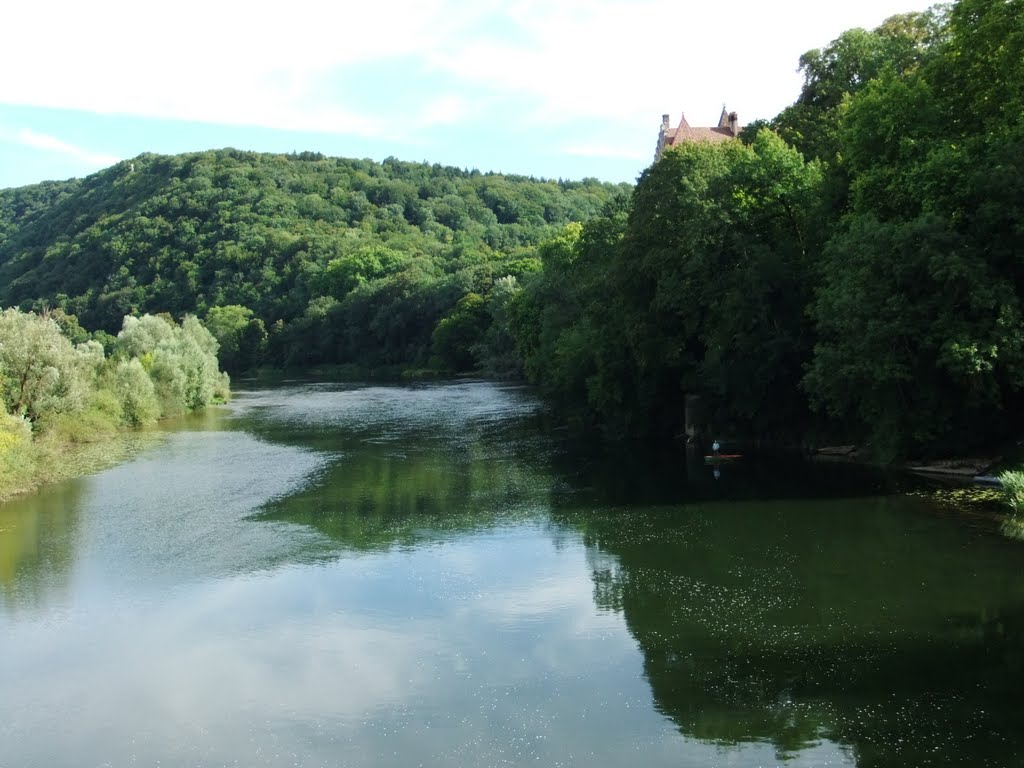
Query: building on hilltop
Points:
[728, 128]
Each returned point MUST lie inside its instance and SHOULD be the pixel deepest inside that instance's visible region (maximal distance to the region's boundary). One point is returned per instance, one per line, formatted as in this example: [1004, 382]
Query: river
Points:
[334, 575]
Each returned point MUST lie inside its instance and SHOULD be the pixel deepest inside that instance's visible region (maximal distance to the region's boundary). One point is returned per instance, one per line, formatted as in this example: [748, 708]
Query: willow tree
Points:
[40, 369]
[180, 360]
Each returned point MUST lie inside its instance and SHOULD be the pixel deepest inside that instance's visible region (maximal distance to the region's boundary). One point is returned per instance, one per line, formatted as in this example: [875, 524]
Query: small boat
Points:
[715, 459]
[990, 480]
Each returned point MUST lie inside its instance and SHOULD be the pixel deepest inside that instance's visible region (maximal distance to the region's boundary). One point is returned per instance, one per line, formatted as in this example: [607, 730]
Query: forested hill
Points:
[852, 270]
[298, 248]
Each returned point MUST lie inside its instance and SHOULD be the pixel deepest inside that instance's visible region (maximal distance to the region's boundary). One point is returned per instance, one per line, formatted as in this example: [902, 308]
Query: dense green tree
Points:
[40, 369]
[180, 359]
[844, 67]
[272, 233]
[457, 338]
[342, 275]
[241, 338]
[859, 254]
[497, 352]
[715, 264]
[919, 305]
[140, 336]
[55, 394]
[136, 393]
[701, 290]
[916, 334]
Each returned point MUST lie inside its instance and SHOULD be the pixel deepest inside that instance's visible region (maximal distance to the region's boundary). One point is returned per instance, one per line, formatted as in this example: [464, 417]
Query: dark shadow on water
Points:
[780, 602]
[789, 621]
[614, 473]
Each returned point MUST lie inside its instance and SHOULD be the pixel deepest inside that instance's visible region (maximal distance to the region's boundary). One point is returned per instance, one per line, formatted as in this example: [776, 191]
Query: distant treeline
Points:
[60, 387]
[851, 270]
[317, 260]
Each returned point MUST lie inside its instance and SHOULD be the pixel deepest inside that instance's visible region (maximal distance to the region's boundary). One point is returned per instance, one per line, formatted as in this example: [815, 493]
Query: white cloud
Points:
[612, 151]
[446, 110]
[259, 64]
[228, 63]
[48, 143]
[628, 61]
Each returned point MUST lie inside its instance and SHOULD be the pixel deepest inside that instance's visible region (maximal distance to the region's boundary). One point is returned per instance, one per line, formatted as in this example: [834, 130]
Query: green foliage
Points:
[717, 248]
[343, 275]
[95, 421]
[852, 266]
[550, 305]
[136, 393]
[57, 395]
[140, 336]
[699, 290]
[498, 353]
[458, 335]
[1013, 491]
[277, 236]
[917, 336]
[1013, 496]
[241, 337]
[880, 288]
[918, 309]
[182, 362]
[228, 325]
[15, 444]
[846, 66]
[40, 370]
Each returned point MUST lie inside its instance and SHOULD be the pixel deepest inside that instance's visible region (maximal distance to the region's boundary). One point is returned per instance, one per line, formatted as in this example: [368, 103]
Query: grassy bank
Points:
[1013, 495]
[29, 466]
[73, 403]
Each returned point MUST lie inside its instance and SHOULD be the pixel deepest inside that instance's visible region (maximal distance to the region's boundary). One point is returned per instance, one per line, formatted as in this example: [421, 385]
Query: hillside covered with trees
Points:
[850, 270]
[292, 260]
[853, 270]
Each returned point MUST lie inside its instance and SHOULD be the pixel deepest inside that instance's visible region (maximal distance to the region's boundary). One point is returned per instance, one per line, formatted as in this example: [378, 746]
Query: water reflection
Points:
[329, 575]
[409, 465]
[870, 624]
[377, 498]
[447, 654]
[612, 475]
[38, 536]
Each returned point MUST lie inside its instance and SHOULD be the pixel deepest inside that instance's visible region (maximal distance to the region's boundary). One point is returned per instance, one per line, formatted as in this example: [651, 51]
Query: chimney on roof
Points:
[734, 123]
[664, 123]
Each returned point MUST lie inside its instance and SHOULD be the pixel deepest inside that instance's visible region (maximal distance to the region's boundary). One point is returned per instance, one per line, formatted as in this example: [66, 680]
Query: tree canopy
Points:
[330, 260]
[849, 270]
[852, 268]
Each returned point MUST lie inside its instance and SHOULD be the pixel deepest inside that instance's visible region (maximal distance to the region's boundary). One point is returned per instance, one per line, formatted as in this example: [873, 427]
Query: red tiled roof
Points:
[686, 133]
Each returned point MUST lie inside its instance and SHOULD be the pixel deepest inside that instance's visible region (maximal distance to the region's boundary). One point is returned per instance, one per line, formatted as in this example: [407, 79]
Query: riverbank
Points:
[26, 468]
[439, 546]
[974, 488]
[70, 407]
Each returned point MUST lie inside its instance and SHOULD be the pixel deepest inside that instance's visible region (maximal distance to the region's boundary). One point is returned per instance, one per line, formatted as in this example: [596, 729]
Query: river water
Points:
[327, 575]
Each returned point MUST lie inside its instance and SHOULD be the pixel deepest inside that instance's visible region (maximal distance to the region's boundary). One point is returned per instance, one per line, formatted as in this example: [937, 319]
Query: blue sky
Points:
[549, 88]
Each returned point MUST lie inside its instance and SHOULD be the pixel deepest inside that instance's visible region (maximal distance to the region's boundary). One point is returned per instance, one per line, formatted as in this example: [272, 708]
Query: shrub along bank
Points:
[64, 391]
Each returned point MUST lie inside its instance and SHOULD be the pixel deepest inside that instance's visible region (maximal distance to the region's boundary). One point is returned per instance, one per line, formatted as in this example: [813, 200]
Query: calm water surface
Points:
[323, 575]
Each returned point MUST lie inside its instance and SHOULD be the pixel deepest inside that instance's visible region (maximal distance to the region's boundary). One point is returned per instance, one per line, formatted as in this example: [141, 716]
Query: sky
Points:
[548, 88]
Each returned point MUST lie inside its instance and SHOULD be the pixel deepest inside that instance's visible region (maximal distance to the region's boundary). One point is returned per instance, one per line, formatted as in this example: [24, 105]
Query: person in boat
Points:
[715, 448]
